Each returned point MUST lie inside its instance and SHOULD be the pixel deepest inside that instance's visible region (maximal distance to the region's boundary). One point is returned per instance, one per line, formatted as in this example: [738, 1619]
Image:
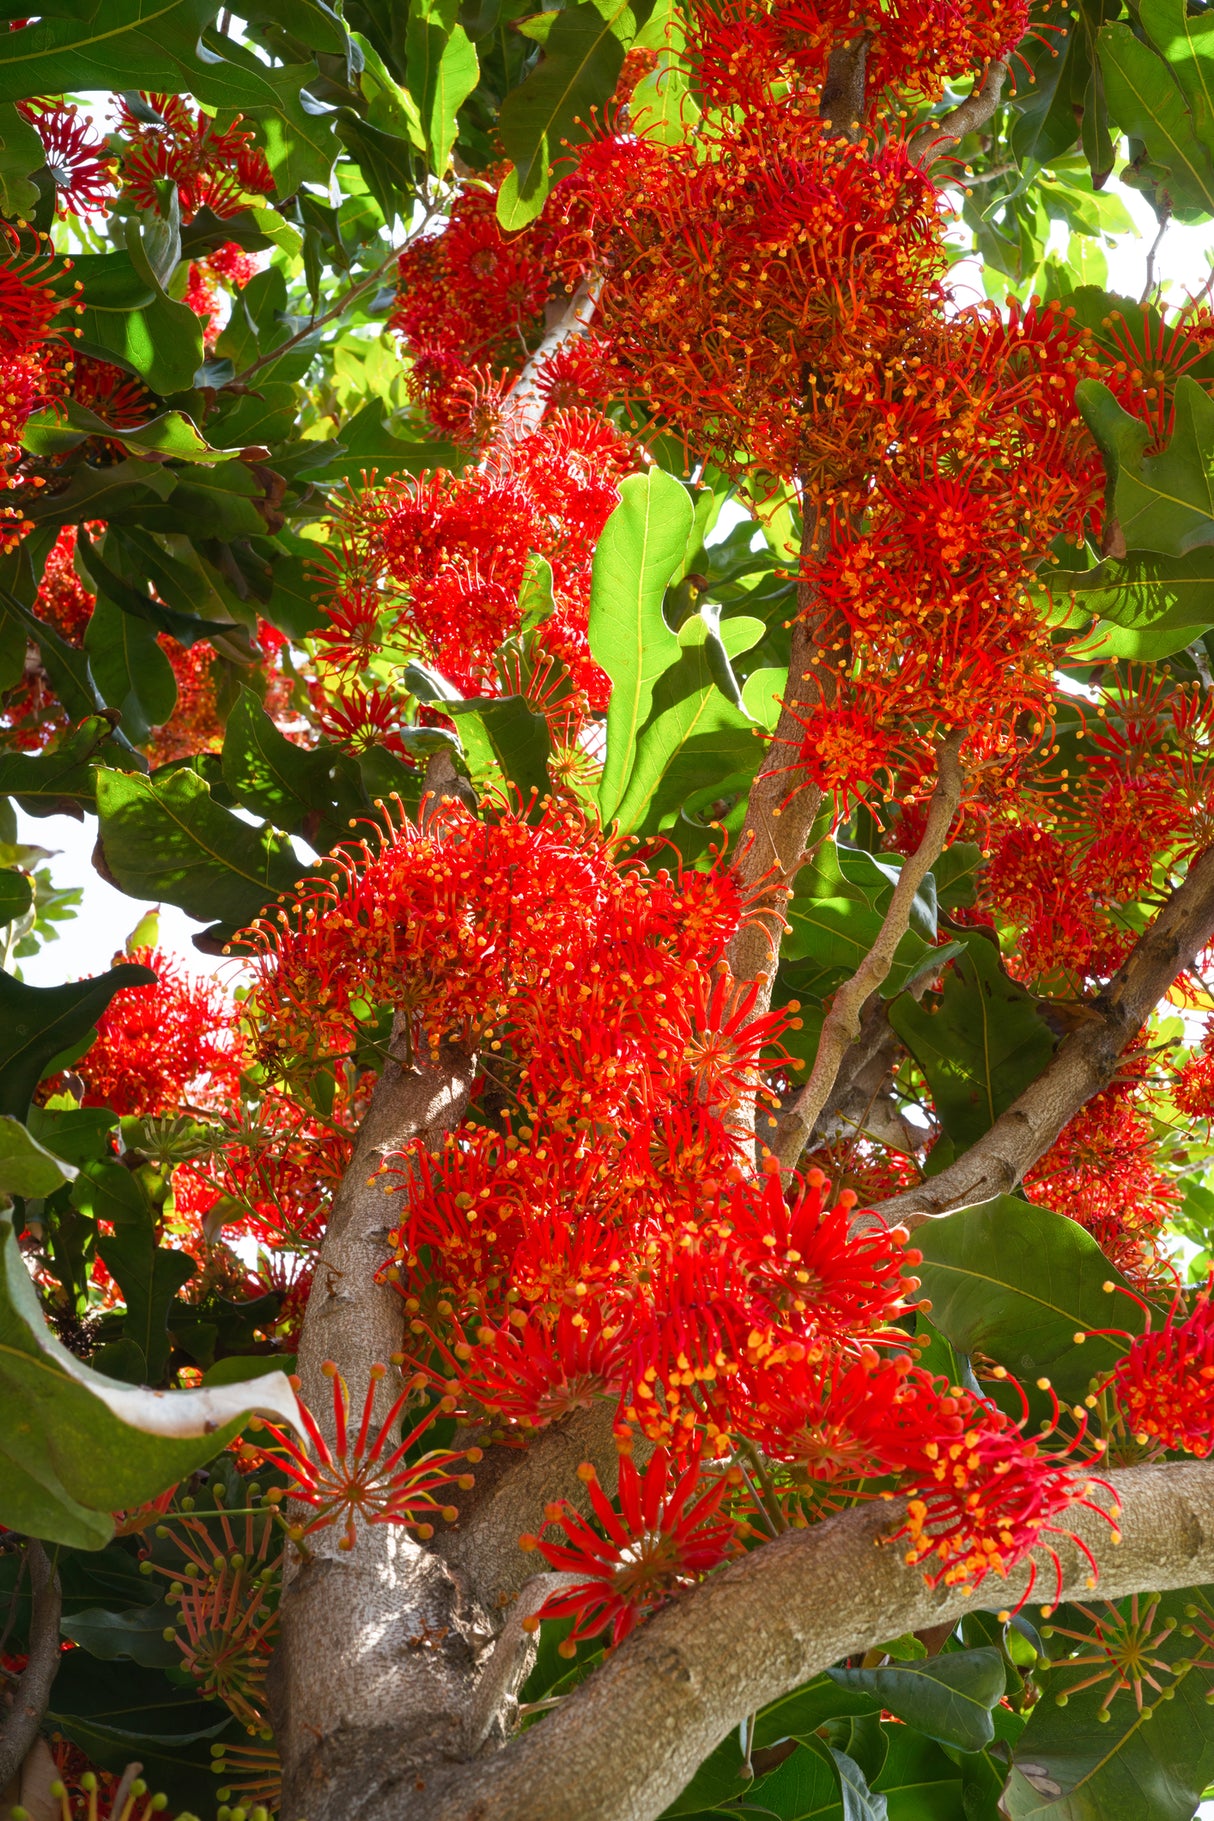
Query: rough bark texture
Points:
[1085, 1062]
[624, 1745]
[376, 1644]
[20, 1723]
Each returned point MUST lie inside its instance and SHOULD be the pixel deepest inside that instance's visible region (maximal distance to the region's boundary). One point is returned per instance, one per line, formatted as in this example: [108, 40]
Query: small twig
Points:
[974, 112]
[20, 1724]
[350, 295]
[842, 1024]
[1165, 217]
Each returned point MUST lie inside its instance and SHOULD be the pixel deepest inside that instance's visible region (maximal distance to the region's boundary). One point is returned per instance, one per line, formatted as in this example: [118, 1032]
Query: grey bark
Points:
[19, 1724]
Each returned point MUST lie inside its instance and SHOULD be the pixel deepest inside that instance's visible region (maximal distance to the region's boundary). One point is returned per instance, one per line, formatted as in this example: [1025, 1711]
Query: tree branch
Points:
[1084, 1063]
[525, 403]
[930, 141]
[841, 1027]
[20, 1724]
[632, 1736]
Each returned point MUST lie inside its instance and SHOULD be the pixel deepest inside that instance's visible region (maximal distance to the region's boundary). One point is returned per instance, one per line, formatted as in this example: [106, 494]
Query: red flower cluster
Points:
[213, 168]
[1164, 1385]
[432, 567]
[592, 1233]
[159, 1046]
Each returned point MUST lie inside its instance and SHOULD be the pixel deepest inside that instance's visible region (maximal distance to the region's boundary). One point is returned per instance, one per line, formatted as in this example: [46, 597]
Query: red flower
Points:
[364, 1476]
[1164, 1386]
[658, 1537]
[159, 1046]
[78, 159]
[213, 168]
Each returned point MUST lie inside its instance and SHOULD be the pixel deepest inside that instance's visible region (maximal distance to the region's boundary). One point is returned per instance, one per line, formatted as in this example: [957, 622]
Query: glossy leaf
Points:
[692, 718]
[147, 1274]
[1162, 502]
[919, 1781]
[1015, 1283]
[577, 72]
[74, 1446]
[1069, 1766]
[16, 894]
[442, 70]
[1146, 102]
[979, 1043]
[126, 45]
[310, 790]
[165, 838]
[26, 1168]
[39, 1023]
[133, 1712]
[1169, 597]
[60, 781]
[504, 737]
[947, 1697]
[641, 547]
[131, 671]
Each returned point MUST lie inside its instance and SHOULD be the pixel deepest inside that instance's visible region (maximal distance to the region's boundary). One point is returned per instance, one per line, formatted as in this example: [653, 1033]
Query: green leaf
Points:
[641, 546]
[837, 910]
[131, 671]
[919, 1781]
[56, 782]
[1146, 103]
[442, 72]
[948, 1697]
[310, 790]
[164, 838]
[1161, 502]
[389, 163]
[39, 1023]
[75, 1446]
[1015, 1283]
[808, 1787]
[366, 442]
[1170, 598]
[504, 736]
[148, 1274]
[695, 735]
[804, 1710]
[135, 1712]
[577, 72]
[127, 44]
[127, 319]
[172, 433]
[979, 1043]
[25, 1167]
[16, 894]
[663, 110]
[137, 1635]
[21, 154]
[1068, 1765]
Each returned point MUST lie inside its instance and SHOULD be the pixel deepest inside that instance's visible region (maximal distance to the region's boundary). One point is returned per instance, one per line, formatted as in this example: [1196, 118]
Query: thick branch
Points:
[526, 401]
[348, 1670]
[624, 1745]
[841, 1027]
[1085, 1061]
[930, 142]
[841, 103]
[19, 1726]
[972, 113]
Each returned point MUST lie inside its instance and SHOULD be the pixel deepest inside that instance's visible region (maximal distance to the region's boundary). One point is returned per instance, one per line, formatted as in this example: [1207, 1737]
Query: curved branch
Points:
[1084, 1063]
[632, 1736]
[841, 1027]
[21, 1722]
[930, 141]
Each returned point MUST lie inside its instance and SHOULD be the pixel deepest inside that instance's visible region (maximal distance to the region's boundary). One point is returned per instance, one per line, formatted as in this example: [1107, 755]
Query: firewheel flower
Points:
[358, 1477]
[1164, 1385]
[658, 1537]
